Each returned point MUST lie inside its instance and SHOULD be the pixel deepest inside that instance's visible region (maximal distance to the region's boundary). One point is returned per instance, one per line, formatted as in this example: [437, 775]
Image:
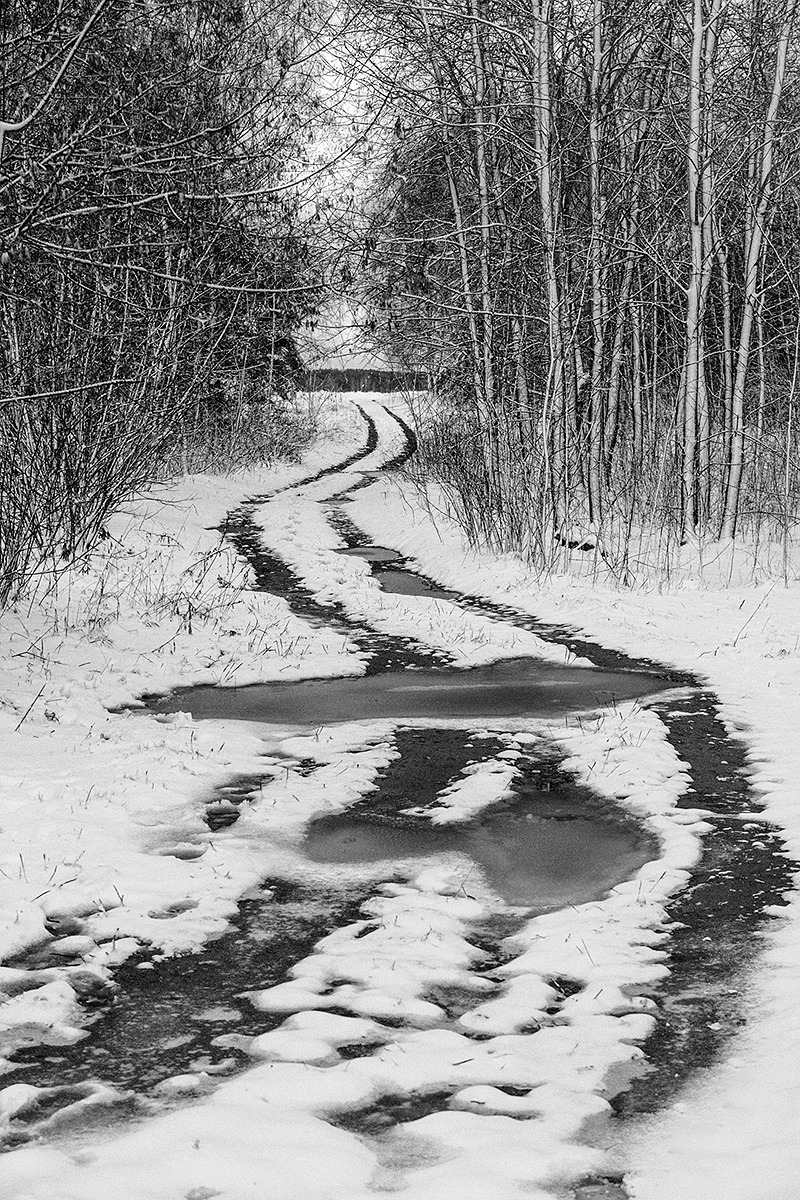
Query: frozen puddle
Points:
[373, 554]
[527, 859]
[514, 688]
[547, 843]
[393, 575]
[408, 583]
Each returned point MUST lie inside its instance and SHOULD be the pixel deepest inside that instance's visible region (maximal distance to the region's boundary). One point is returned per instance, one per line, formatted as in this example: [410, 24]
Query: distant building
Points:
[336, 356]
[330, 377]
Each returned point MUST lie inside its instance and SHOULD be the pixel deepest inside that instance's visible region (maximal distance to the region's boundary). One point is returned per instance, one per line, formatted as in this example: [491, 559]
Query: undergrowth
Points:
[64, 471]
[641, 537]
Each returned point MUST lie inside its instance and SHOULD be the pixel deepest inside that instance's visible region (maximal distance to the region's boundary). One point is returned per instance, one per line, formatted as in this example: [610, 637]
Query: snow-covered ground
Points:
[102, 823]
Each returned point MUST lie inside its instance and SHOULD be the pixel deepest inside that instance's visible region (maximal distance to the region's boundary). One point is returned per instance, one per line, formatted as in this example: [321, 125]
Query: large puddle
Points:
[514, 688]
[548, 843]
[527, 859]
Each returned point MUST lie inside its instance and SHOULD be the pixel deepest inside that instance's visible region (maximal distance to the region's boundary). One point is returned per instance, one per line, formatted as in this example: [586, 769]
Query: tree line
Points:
[586, 231]
[153, 267]
[583, 232]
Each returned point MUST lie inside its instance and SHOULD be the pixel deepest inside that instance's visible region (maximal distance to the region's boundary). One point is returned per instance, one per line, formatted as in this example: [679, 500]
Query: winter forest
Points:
[399, 599]
[580, 221]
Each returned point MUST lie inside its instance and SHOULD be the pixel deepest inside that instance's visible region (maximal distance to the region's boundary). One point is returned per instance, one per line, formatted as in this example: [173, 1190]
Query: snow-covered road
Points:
[498, 1058]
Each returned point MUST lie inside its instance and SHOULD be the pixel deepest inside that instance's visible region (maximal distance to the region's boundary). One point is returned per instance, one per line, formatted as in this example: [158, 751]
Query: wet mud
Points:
[166, 1015]
[602, 657]
[721, 917]
[383, 652]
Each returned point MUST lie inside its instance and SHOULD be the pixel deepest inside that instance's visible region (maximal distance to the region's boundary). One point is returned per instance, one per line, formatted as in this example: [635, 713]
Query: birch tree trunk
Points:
[458, 217]
[695, 469]
[754, 251]
[553, 407]
[597, 416]
[491, 398]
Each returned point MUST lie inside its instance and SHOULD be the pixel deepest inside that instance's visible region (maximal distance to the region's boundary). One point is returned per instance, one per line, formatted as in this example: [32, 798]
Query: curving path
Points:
[450, 725]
